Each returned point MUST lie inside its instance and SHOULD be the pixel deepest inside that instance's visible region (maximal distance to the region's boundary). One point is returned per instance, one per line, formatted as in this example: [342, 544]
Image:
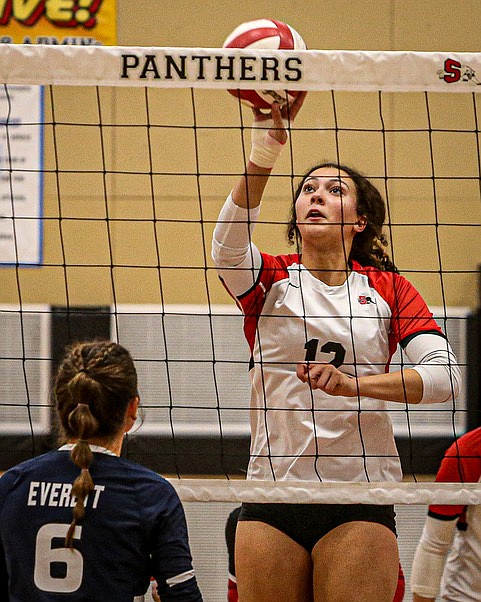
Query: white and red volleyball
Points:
[265, 34]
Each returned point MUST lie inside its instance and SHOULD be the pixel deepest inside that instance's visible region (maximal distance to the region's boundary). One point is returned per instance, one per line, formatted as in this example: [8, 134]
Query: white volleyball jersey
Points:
[291, 316]
[462, 574]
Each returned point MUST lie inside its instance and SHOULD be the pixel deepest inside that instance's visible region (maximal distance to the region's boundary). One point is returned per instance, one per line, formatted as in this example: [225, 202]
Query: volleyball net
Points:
[114, 165]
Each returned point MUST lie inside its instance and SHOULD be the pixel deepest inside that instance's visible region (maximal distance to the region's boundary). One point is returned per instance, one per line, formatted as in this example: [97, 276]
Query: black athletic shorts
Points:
[306, 524]
[230, 527]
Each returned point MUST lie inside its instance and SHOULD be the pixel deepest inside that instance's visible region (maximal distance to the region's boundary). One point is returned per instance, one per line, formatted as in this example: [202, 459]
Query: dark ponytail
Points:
[93, 388]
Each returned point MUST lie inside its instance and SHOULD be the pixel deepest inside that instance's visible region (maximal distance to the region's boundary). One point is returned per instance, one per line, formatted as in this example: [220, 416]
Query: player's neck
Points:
[330, 269]
[113, 445]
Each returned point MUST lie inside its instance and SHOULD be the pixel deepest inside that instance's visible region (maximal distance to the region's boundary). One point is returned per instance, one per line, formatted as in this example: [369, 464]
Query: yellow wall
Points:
[78, 252]
[424, 25]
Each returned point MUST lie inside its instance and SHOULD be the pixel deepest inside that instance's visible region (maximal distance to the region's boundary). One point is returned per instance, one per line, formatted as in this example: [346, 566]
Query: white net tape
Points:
[214, 68]
[212, 490]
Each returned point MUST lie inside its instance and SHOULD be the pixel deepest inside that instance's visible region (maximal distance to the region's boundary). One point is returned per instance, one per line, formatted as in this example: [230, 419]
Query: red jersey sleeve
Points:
[409, 312]
[461, 464]
[273, 269]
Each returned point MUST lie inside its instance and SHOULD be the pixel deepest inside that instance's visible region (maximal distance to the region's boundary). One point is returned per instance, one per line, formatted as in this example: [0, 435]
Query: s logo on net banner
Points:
[454, 71]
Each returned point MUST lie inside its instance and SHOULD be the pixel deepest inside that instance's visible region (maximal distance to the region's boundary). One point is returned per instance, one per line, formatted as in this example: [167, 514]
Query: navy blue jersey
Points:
[134, 528]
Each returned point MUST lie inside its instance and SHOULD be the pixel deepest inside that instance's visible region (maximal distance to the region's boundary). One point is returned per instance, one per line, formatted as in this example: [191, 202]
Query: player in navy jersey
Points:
[447, 562]
[322, 325]
[81, 523]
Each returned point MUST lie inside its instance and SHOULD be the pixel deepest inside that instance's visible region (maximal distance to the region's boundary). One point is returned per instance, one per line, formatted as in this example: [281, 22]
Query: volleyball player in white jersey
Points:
[232, 592]
[447, 562]
[322, 325]
[81, 523]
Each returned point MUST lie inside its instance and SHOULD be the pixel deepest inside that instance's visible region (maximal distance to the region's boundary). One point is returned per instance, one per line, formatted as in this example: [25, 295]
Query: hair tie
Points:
[83, 370]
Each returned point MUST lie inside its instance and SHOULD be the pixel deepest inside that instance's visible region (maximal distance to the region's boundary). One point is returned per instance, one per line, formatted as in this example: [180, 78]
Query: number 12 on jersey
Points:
[330, 347]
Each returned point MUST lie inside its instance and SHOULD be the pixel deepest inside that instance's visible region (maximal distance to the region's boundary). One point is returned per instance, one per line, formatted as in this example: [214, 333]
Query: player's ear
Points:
[361, 223]
[134, 406]
[131, 414]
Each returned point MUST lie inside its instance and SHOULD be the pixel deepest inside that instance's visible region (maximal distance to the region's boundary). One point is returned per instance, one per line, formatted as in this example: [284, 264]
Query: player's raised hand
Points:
[290, 111]
[280, 117]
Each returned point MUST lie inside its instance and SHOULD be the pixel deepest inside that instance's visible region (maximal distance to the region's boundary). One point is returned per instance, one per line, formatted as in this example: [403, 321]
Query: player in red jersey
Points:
[448, 557]
[322, 325]
[81, 523]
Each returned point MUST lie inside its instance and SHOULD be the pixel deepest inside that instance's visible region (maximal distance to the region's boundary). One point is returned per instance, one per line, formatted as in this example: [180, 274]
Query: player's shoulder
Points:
[377, 276]
[467, 444]
[275, 268]
[32, 464]
[279, 261]
[143, 478]
[140, 470]
[155, 496]
[392, 286]
[14, 476]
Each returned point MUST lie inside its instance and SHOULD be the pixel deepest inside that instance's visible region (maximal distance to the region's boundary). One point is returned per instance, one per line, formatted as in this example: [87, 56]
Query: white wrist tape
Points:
[265, 149]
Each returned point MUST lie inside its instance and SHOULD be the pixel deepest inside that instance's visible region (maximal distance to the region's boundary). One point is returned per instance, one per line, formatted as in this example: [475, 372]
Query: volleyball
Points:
[265, 34]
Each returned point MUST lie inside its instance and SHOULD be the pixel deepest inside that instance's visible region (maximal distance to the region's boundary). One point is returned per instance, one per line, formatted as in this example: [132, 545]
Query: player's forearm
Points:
[418, 598]
[268, 138]
[249, 189]
[404, 386]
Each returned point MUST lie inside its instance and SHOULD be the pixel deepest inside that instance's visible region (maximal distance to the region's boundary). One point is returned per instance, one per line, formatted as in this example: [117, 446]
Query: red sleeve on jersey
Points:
[461, 464]
[232, 595]
[401, 586]
[409, 312]
[273, 269]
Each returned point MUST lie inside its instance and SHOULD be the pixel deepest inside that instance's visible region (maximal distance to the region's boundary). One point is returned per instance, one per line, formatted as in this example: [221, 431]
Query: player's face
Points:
[327, 206]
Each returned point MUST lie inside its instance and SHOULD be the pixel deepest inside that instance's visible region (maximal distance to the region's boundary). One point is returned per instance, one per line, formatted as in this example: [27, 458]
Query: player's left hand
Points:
[327, 378]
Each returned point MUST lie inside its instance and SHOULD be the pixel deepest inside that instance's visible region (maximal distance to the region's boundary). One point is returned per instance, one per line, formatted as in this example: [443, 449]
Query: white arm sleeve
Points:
[437, 365]
[236, 257]
[430, 556]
